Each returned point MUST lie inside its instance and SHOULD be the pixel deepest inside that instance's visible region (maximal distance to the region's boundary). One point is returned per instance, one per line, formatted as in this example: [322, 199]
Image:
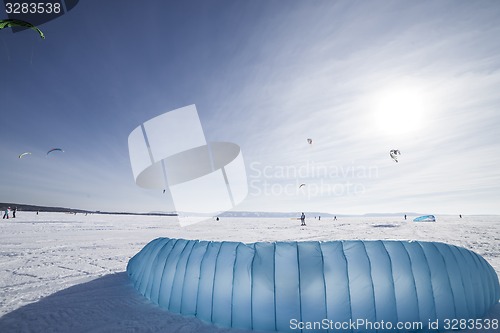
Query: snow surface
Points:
[66, 273]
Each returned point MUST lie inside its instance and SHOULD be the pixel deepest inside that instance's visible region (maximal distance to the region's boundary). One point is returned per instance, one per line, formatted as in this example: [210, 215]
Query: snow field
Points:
[62, 272]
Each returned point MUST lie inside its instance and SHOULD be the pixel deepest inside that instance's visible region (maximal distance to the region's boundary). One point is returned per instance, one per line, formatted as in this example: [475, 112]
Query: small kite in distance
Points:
[24, 154]
[19, 23]
[394, 154]
[55, 149]
[310, 141]
[302, 185]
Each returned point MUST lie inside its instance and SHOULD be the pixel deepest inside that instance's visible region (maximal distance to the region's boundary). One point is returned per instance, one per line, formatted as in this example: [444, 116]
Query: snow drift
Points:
[263, 286]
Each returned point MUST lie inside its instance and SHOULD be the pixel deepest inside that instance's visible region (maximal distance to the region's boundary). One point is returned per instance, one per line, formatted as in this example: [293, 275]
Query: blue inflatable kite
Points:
[277, 286]
[425, 218]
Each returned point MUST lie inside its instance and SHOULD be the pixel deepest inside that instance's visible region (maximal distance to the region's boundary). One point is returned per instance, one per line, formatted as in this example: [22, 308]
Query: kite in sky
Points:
[24, 154]
[55, 149]
[310, 141]
[19, 23]
[394, 154]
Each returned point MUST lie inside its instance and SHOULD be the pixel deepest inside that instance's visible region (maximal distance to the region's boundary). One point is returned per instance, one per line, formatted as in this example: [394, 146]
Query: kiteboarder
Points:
[6, 213]
[405, 216]
[303, 219]
[14, 212]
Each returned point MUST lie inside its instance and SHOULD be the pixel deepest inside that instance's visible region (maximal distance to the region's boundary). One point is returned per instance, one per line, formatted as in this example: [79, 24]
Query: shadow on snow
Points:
[106, 304]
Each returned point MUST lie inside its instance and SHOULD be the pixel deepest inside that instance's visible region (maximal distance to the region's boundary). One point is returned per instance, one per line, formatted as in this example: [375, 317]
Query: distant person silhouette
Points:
[303, 219]
[217, 219]
[405, 216]
[335, 218]
[460, 215]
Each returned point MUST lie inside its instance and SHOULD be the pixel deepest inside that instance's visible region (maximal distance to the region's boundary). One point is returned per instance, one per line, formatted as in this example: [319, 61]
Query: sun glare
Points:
[398, 111]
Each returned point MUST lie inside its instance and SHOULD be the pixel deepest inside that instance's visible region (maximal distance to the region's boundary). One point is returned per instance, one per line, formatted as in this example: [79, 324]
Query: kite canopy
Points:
[263, 286]
[24, 154]
[395, 154]
[425, 218]
[20, 23]
[310, 141]
[55, 149]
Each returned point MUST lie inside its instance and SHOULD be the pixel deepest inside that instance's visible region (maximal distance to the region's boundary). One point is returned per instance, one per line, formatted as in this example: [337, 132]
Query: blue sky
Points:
[358, 77]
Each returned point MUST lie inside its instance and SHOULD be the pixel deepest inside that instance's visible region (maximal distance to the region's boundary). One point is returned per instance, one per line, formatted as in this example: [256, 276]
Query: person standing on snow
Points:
[303, 219]
[6, 214]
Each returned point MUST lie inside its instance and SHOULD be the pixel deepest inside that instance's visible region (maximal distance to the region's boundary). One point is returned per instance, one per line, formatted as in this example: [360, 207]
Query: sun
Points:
[399, 111]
